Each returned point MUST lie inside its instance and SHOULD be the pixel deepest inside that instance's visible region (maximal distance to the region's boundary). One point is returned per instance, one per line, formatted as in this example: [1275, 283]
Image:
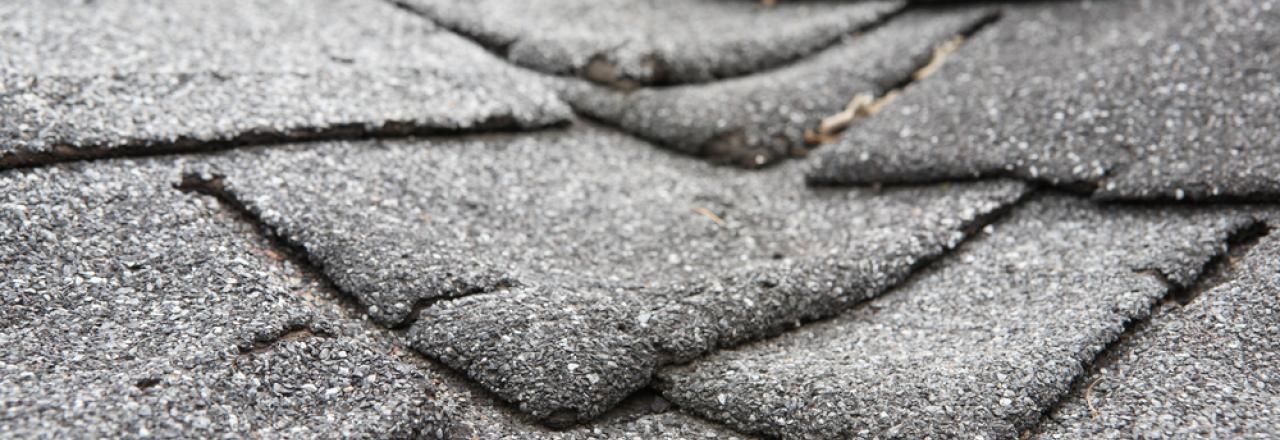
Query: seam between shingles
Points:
[917, 270]
[294, 253]
[1219, 268]
[503, 123]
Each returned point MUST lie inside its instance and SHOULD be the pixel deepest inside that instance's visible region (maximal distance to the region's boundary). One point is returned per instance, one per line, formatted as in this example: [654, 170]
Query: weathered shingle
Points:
[764, 117]
[1136, 99]
[604, 255]
[627, 43]
[1204, 370]
[976, 346]
[130, 309]
[118, 77]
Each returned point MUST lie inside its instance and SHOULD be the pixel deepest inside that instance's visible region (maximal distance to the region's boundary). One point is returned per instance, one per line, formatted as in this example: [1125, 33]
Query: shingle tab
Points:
[130, 309]
[1209, 369]
[105, 78]
[762, 118]
[629, 43]
[1137, 99]
[604, 255]
[976, 346]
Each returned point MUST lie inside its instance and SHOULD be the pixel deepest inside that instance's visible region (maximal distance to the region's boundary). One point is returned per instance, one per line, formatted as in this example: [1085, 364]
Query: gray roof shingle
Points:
[599, 249]
[977, 345]
[626, 43]
[1138, 100]
[111, 77]
[417, 238]
[762, 118]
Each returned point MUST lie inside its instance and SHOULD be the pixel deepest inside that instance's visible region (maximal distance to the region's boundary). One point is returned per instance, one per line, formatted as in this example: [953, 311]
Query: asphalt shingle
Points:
[976, 346]
[1137, 99]
[110, 77]
[762, 118]
[604, 255]
[627, 43]
[129, 309]
[1210, 369]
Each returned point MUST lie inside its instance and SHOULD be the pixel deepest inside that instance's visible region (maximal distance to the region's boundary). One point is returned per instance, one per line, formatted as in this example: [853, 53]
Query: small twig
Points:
[708, 214]
[939, 56]
[862, 105]
[1088, 399]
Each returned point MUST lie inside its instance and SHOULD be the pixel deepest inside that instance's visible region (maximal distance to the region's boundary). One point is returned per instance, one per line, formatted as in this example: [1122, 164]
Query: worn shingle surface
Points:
[1139, 99]
[415, 237]
[1205, 370]
[83, 79]
[606, 255]
[762, 118]
[627, 43]
[976, 346]
[130, 309]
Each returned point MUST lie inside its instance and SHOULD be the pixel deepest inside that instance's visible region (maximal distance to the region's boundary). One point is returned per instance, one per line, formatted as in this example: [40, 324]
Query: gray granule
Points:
[603, 256]
[627, 43]
[131, 310]
[976, 346]
[1137, 99]
[1205, 370]
[758, 119]
[187, 74]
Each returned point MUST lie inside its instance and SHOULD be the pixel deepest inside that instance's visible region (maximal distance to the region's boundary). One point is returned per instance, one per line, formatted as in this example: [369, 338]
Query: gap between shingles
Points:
[865, 105]
[1220, 268]
[186, 145]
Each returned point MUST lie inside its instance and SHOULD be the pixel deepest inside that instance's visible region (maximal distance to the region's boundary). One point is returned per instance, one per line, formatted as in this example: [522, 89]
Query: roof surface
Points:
[610, 219]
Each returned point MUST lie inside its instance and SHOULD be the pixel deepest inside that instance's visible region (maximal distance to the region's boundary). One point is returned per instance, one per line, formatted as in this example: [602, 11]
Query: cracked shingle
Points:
[601, 255]
[976, 346]
[1137, 99]
[627, 43]
[762, 118]
[129, 309]
[183, 75]
[1205, 370]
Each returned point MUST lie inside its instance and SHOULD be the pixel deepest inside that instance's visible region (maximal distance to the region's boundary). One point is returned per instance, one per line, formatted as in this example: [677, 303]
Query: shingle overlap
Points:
[1136, 99]
[626, 43]
[130, 309]
[603, 256]
[1205, 370]
[977, 345]
[114, 77]
[762, 118]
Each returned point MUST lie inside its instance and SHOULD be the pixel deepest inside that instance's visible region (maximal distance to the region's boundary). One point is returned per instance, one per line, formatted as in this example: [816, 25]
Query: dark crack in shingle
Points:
[129, 309]
[1204, 370]
[109, 78]
[626, 44]
[759, 119]
[1137, 99]
[603, 256]
[976, 346]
